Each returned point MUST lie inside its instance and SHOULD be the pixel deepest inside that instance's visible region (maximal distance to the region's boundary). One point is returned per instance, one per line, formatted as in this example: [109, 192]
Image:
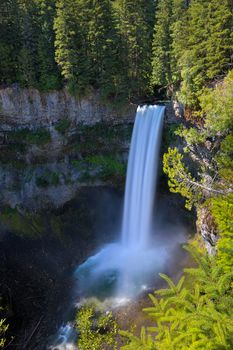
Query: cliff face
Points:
[207, 227]
[51, 144]
[29, 108]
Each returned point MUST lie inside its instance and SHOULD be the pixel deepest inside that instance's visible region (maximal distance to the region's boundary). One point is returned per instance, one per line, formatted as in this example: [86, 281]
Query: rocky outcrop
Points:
[29, 108]
[39, 187]
[206, 226]
[174, 112]
[51, 144]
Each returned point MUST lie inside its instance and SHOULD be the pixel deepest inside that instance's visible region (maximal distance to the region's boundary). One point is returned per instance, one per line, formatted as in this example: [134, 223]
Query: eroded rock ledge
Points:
[52, 144]
[29, 108]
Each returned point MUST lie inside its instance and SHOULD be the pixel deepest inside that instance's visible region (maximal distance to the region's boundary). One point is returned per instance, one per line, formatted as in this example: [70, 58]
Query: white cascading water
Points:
[117, 263]
[129, 264]
[140, 259]
[141, 176]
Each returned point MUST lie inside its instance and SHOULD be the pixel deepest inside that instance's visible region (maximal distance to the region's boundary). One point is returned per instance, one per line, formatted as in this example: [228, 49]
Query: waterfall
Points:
[141, 176]
[127, 266]
[116, 265]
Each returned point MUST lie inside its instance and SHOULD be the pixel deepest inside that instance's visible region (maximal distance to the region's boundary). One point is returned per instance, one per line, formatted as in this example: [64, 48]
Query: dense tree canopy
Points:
[193, 45]
[101, 45]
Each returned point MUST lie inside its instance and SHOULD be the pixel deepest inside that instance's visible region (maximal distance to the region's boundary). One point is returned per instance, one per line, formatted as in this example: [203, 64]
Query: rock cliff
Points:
[29, 108]
[51, 144]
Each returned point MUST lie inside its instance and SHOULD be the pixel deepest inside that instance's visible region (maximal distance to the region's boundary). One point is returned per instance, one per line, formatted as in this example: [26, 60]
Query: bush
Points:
[96, 330]
[111, 169]
[63, 125]
[47, 179]
[38, 137]
[3, 329]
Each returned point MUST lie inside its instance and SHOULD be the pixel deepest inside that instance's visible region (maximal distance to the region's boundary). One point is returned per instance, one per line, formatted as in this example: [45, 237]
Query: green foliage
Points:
[49, 75]
[190, 316]
[192, 135]
[161, 70]
[22, 222]
[145, 342]
[96, 330]
[110, 168]
[135, 24]
[169, 135]
[210, 147]
[225, 161]
[104, 46]
[63, 125]
[49, 178]
[204, 53]
[107, 45]
[179, 36]
[217, 105]
[222, 211]
[9, 41]
[70, 51]
[39, 137]
[36, 63]
[180, 179]
[100, 45]
[106, 168]
[193, 45]
[88, 47]
[3, 329]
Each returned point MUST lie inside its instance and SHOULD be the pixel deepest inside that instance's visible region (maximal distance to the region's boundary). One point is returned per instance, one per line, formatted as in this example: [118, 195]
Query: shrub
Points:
[63, 125]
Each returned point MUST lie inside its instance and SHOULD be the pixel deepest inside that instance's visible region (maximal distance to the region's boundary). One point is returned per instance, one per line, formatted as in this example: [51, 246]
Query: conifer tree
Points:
[49, 75]
[71, 45]
[96, 330]
[179, 37]
[161, 58]
[87, 46]
[222, 211]
[29, 33]
[103, 46]
[206, 53]
[9, 41]
[136, 27]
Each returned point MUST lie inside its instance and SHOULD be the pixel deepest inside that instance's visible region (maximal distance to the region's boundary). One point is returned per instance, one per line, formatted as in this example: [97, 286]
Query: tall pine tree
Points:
[88, 46]
[71, 45]
[9, 41]
[49, 75]
[136, 28]
[161, 57]
[206, 52]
